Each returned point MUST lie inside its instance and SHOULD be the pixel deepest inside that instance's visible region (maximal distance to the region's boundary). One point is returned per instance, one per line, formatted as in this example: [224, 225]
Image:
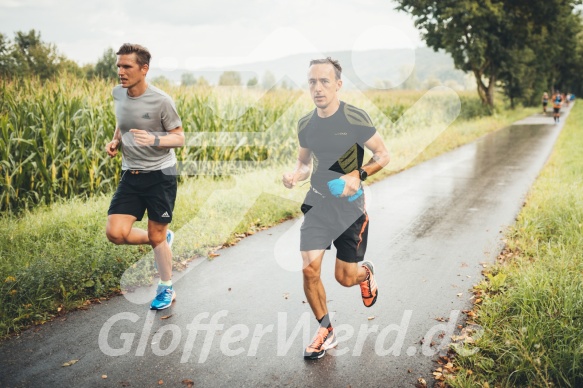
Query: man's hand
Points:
[352, 183]
[143, 138]
[290, 180]
[112, 147]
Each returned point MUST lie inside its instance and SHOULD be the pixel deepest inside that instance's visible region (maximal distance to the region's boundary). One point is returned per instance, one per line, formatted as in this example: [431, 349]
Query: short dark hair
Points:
[142, 54]
[329, 60]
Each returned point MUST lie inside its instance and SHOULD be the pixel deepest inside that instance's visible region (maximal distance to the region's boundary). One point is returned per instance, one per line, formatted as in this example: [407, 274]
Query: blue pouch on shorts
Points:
[336, 187]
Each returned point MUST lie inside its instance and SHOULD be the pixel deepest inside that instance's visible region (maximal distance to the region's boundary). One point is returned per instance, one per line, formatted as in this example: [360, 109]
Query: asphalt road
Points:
[241, 319]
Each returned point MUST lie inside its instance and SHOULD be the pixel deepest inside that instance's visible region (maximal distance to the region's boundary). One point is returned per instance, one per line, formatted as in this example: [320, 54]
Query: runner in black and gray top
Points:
[334, 137]
[148, 128]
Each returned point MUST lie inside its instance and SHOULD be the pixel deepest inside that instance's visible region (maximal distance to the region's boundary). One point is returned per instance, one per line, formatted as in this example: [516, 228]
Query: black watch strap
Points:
[363, 174]
[156, 141]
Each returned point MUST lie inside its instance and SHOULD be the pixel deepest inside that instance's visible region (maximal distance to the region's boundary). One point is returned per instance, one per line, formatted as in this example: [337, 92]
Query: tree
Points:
[486, 37]
[252, 82]
[187, 79]
[268, 80]
[32, 56]
[106, 66]
[161, 82]
[202, 82]
[230, 78]
[6, 60]
[28, 55]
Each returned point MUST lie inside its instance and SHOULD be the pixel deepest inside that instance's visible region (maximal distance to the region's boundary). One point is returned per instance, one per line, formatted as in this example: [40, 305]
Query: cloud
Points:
[181, 31]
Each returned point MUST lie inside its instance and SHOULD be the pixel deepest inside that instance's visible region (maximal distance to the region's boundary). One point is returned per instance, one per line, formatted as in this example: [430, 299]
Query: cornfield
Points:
[53, 134]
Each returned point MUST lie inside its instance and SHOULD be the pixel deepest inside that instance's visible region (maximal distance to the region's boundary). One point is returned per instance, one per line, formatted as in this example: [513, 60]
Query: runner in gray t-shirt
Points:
[148, 128]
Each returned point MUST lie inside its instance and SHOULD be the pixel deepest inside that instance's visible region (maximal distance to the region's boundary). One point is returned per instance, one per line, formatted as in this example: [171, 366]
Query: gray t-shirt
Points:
[153, 111]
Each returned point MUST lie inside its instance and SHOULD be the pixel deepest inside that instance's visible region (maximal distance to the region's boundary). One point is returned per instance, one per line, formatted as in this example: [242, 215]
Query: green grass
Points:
[533, 316]
[54, 258]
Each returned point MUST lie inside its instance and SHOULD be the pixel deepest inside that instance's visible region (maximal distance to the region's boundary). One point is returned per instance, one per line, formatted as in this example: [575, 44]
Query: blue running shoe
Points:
[164, 297]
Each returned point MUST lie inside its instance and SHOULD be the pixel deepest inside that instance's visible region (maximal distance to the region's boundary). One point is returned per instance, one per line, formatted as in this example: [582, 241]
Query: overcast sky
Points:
[192, 33]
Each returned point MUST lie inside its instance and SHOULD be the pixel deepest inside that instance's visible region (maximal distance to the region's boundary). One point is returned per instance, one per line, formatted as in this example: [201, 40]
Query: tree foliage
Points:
[252, 82]
[501, 42]
[187, 79]
[27, 55]
[230, 78]
[268, 81]
[106, 65]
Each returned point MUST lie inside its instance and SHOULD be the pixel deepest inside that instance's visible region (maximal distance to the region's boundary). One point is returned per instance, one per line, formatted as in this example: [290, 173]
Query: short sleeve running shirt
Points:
[155, 112]
[336, 142]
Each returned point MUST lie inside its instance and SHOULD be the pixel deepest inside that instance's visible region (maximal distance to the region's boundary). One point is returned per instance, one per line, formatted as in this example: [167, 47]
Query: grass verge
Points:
[531, 303]
[57, 258]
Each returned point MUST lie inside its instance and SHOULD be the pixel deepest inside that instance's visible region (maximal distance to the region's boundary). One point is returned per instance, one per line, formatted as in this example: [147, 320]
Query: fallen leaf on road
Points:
[160, 382]
[212, 255]
[285, 295]
[69, 363]
[371, 318]
[188, 383]
[166, 316]
[421, 383]
[103, 376]
[459, 295]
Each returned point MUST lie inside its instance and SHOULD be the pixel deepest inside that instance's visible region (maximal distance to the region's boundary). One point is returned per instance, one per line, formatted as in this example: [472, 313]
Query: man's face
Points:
[323, 84]
[130, 73]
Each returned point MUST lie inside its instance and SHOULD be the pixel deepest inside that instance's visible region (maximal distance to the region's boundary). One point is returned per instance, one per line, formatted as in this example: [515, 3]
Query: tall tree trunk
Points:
[486, 92]
[491, 89]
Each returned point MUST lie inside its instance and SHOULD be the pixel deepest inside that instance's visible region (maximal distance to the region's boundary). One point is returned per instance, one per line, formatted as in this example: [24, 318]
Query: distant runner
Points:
[148, 128]
[334, 136]
[545, 102]
[557, 102]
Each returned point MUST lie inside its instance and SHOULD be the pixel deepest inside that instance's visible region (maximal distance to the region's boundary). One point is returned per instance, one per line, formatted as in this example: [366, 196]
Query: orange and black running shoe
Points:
[323, 340]
[368, 288]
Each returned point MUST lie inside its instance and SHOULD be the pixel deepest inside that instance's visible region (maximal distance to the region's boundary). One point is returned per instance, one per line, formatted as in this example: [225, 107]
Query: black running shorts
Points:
[153, 191]
[329, 219]
[556, 110]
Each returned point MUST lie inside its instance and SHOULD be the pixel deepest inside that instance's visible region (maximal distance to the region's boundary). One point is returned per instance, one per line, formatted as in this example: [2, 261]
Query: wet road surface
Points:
[241, 319]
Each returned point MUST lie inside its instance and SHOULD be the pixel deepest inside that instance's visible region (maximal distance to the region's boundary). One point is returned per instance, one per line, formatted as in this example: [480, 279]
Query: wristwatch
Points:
[156, 141]
[363, 174]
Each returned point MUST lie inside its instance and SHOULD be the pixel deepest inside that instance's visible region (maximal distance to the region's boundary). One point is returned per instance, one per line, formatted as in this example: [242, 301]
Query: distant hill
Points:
[362, 69]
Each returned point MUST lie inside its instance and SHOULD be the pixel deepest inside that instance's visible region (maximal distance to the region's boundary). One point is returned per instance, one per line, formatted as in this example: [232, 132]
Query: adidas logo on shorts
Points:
[165, 215]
